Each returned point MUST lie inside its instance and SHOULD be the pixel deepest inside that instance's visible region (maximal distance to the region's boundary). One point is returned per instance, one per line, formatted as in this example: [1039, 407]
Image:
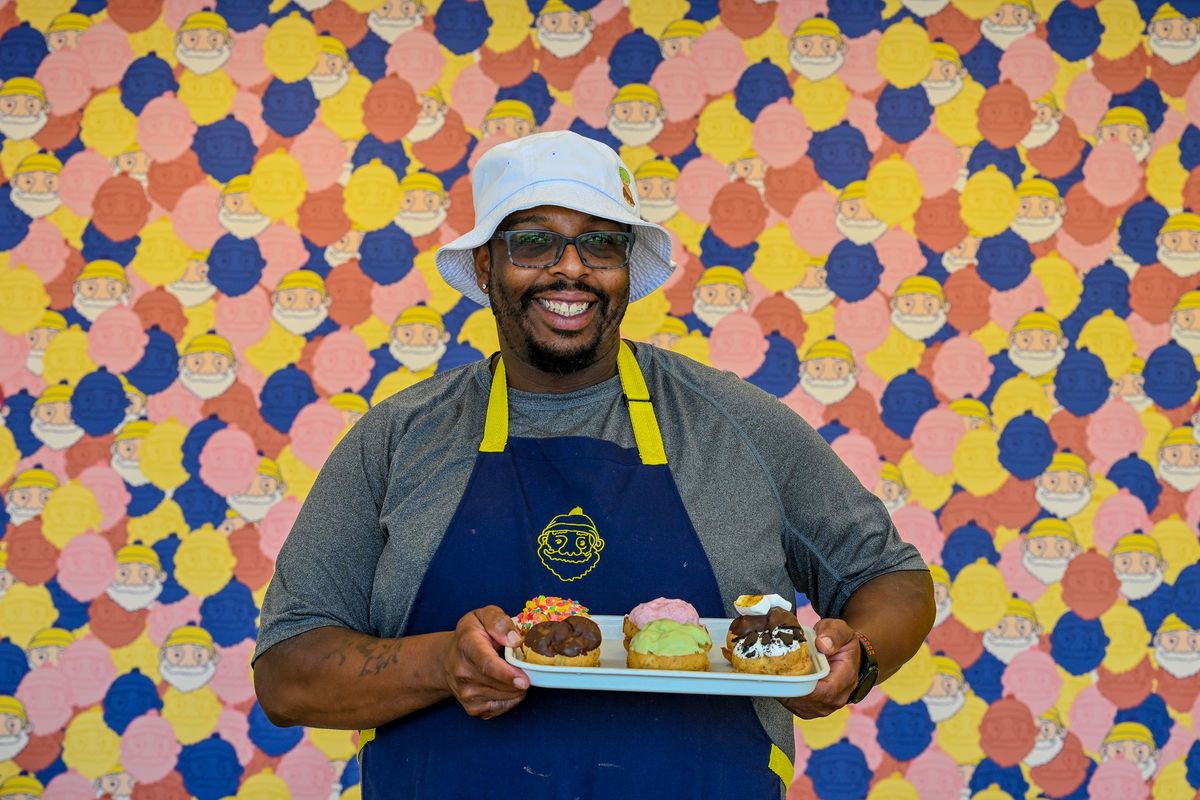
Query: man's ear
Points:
[483, 264]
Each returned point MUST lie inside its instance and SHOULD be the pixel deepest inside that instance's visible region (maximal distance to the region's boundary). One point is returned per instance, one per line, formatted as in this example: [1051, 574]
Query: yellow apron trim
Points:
[368, 735]
[637, 398]
[781, 765]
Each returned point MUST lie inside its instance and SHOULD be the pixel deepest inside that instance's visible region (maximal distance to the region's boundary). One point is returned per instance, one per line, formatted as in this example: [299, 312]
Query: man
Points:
[331, 73]
[1017, 631]
[1050, 738]
[828, 371]
[812, 292]
[1009, 22]
[817, 49]
[47, 646]
[1138, 563]
[1133, 742]
[1179, 459]
[116, 783]
[943, 604]
[656, 188]
[1048, 548]
[751, 168]
[635, 115]
[262, 494]
[393, 593]
[719, 292]
[948, 692]
[1131, 386]
[946, 75]
[1177, 648]
[1127, 125]
[237, 213]
[300, 302]
[431, 117]
[562, 31]
[23, 108]
[418, 338]
[100, 285]
[962, 254]
[974, 412]
[139, 578]
[425, 204]
[394, 17]
[1046, 120]
[1185, 322]
[207, 367]
[678, 38]
[35, 185]
[919, 307]
[511, 119]
[352, 406]
[188, 659]
[135, 401]
[1065, 487]
[345, 248]
[1179, 244]
[134, 162]
[853, 219]
[28, 494]
[669, 332]
[203, 42]
[1173, 37]
[22, 786]
[1036, 344]
[1040, 210]
[50, 325]
[52, 423]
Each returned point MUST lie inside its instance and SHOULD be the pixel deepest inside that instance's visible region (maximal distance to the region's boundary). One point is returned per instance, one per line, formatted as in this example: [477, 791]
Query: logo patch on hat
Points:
[625, 190]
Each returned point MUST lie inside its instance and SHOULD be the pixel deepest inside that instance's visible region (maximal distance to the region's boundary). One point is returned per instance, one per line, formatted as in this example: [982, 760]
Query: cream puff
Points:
[753, 623]
[780, 650]
[545, 608]
[570, 642]
[667, 644]
[643, 614]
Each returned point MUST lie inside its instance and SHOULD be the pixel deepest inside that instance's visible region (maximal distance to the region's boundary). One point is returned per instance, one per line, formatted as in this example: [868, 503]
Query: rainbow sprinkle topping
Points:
[548, 609]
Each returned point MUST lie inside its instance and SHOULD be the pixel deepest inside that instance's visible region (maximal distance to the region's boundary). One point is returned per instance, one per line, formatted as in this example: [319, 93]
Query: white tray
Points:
[612, 675]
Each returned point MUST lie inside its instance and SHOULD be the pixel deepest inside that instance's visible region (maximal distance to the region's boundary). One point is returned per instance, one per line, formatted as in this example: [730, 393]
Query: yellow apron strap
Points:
[641, 408]
[495, 426]
[367, 734]
[636, 396]
[781, 765]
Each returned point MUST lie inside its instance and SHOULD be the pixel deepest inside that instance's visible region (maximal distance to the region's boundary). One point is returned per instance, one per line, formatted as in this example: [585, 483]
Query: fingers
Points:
[499, 626]
[833, 635]
[483, 682]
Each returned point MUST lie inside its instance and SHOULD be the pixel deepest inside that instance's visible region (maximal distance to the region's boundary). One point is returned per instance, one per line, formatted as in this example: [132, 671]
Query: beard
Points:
[659, 210]
[1182, 478]
[1037, 229]
[300, 321]
[1141, 150]
[860, 231]
[417, 357]
[1175, 52]
[253, 507]
[940, 92]
[34, 361]
[1036, 363]
[564, 45]
[827, 392]
[187, 679]
[1187, 339]
[925, 8]
[328, 85]
[1136, 585]
[191, 293]
[12, 744]
[20, 128]
[335, 257]
[1147, 767]
[134, 598]
[421, 223]
[312, 5]
[1044, 751]
[816, 68]
[1006, 648]
[712, 313]
[129, 469]
[1046, 570]
[389, 29]
[810, 300]
[202, 62]
[18, 515]
[56, 436]
[1004, 35]
[919, 326]
[206, 386]
[1040, 134]
[576, 353]
[90, 309]
[243, 226]
[1063, 504]
[941, 612]
[1179, 665]
[635, 134]
[954, 263]
[426, 127]
[1184, 264]
[895, 504]
[943, 707]
[36, 204]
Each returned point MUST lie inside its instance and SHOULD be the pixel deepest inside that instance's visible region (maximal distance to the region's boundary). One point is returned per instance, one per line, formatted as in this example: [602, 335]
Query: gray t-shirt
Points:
[775, 509]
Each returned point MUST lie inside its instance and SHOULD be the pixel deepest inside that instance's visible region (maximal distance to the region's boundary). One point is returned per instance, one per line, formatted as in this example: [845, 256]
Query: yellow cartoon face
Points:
[569, 546]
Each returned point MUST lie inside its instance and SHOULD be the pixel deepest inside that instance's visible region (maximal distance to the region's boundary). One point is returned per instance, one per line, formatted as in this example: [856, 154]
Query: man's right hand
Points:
[481, 680]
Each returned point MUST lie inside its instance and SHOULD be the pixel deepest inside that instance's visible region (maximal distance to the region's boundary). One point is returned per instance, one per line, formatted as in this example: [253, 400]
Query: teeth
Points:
[565, 309]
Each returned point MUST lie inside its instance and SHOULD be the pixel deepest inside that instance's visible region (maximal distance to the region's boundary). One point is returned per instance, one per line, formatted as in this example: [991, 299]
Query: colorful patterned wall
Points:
[957, 238]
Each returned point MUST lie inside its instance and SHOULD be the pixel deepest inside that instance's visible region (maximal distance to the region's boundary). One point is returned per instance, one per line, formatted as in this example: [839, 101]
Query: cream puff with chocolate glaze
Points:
[570, 642]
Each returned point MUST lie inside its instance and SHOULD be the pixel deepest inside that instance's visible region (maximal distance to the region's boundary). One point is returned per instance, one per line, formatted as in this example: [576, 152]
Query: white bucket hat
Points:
[557, 168]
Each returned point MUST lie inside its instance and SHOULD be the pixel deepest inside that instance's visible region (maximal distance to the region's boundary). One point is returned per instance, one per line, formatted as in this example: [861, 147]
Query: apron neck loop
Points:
[635, 396]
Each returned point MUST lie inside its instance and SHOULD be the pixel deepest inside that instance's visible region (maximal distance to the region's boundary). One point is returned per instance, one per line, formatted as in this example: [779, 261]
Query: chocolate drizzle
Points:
[570, 637]
[775, 618]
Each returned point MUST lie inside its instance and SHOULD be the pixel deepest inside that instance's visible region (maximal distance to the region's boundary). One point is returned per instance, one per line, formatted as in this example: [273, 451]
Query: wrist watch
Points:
[868, 669]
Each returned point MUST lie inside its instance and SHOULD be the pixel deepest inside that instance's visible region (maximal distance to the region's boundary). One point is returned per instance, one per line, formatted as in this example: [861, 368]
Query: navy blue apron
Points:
[604, 525]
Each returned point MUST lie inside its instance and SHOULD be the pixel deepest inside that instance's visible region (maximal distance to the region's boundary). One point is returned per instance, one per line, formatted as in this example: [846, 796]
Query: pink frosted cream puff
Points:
[643, 614]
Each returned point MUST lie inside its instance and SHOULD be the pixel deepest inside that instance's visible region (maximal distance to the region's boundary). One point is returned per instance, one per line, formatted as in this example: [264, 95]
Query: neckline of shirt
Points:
[540, 401]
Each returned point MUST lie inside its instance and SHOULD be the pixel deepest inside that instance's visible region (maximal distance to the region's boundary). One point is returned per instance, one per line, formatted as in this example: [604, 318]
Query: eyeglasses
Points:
[538, 249]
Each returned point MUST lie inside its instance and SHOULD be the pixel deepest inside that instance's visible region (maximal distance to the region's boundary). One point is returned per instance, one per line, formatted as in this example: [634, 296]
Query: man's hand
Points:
[484, 683]
[836, 640]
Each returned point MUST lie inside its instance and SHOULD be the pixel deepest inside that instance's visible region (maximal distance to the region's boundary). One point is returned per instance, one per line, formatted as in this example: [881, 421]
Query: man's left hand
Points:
[836, 640]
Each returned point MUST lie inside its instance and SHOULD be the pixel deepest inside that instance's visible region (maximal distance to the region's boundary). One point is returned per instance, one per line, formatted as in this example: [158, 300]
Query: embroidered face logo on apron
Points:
[569, 546]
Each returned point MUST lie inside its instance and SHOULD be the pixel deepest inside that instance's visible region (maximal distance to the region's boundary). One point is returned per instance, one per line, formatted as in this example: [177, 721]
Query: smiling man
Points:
[570, 463]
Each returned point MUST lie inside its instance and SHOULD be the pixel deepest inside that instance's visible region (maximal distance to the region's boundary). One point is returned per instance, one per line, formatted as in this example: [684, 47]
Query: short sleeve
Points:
[324, 573]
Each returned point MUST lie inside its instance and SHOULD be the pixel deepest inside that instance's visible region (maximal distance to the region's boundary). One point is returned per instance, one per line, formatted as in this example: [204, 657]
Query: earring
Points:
[483, 286]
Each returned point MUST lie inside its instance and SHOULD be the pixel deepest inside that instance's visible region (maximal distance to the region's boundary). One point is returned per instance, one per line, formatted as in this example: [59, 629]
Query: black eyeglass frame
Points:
[563, 241]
